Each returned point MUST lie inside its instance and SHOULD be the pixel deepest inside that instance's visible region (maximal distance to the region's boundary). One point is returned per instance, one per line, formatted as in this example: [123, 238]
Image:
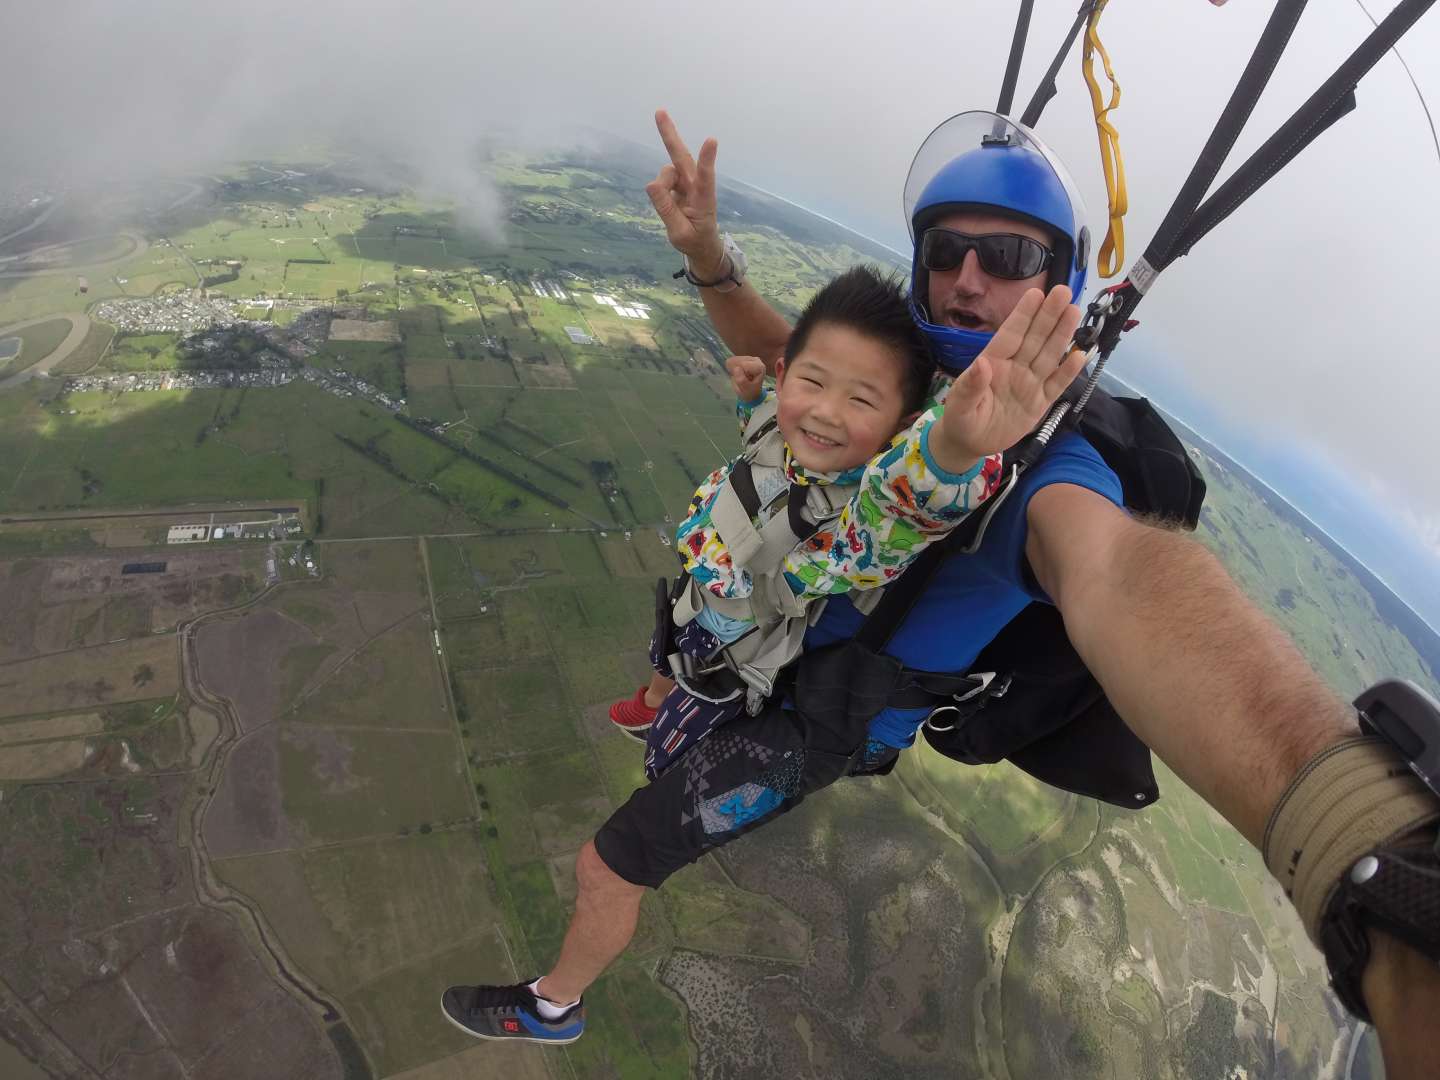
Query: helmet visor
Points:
[970, 131]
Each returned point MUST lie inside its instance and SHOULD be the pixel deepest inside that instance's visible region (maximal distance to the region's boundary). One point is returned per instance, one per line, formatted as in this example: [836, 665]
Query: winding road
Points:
[79, 327]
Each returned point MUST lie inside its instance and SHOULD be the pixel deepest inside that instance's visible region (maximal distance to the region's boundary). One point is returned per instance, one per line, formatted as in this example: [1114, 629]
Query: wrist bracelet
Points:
[689, 276]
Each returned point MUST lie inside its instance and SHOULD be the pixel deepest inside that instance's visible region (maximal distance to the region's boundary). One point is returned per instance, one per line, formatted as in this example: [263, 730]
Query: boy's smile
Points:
[840, 398]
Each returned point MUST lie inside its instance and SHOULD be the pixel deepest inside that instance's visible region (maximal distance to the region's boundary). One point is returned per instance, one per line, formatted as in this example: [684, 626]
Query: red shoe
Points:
[633, 716]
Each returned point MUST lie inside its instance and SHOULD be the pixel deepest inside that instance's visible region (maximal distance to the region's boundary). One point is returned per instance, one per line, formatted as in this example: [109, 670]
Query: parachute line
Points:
[1425, 105]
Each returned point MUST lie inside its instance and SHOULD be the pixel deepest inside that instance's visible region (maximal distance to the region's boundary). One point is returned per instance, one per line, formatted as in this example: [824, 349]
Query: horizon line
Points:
[1258, 478]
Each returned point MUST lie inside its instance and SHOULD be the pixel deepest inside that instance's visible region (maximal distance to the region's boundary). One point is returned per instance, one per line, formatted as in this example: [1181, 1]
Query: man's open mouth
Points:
[964, 319]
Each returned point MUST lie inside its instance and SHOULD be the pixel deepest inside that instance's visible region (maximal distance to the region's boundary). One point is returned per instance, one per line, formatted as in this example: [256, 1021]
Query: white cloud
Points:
[1309, 311]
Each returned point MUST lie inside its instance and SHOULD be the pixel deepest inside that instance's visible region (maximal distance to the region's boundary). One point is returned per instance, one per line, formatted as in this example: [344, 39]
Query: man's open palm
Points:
[1006, 392]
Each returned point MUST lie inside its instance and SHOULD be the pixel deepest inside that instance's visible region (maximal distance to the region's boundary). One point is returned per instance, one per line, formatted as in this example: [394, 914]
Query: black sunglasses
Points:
[1002, 255]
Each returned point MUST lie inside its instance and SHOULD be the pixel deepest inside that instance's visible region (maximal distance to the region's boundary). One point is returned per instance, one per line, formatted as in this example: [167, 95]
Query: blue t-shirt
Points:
[971, 597]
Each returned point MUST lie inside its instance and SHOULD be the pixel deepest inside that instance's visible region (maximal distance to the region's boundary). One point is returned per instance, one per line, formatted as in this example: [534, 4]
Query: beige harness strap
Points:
[1348, 800]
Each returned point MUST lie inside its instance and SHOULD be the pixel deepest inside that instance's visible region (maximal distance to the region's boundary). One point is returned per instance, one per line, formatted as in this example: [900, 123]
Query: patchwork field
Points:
[309, 782]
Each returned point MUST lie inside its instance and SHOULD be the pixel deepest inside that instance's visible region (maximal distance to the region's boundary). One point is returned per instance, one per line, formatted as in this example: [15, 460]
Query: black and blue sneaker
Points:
[509, 1012]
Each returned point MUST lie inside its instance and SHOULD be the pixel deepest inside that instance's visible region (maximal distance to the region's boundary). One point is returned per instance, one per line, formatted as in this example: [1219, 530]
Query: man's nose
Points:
[971, 279]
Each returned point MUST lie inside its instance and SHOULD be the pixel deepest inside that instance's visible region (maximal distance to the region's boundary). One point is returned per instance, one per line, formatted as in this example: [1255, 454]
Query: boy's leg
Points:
[744, 775]
[682, 721]
[635, 714]
[658, 690]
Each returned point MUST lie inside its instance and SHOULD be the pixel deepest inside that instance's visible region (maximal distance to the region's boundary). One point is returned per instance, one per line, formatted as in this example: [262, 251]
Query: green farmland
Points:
[387, 738]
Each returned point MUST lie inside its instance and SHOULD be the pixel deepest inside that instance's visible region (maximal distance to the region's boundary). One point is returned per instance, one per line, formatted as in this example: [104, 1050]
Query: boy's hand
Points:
[1006, 392]
[747, 376]
[683, 194]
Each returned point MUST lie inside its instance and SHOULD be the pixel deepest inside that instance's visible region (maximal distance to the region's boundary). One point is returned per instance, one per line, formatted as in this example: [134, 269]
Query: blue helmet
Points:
[982, 161]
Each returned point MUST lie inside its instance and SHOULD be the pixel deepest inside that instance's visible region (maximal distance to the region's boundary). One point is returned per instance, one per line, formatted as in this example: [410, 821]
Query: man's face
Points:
[968, 298]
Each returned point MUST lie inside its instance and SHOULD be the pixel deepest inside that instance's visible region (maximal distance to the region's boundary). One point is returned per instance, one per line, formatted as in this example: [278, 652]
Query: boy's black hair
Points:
[874, 304]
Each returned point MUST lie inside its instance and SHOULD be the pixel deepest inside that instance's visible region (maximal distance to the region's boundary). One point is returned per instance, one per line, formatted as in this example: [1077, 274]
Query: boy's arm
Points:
[683, 194]
[747, 379]
[904, 503]
[745, 410]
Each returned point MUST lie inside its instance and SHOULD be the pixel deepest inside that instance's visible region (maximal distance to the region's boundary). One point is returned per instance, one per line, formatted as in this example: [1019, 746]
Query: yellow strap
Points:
[1112, 252]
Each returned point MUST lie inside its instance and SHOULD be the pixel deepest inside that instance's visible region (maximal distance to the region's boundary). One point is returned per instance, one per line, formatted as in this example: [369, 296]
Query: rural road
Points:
[79, 327]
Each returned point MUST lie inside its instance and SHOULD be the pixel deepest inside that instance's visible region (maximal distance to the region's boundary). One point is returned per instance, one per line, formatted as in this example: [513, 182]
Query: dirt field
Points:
[248, 813]
[191, 995]
[239, 659]
[131, 670]
[68, 602]
[51, 727]
[362, 330]
[39, 761]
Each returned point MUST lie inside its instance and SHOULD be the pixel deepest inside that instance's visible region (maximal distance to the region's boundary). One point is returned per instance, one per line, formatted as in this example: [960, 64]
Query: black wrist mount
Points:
[1395, 888]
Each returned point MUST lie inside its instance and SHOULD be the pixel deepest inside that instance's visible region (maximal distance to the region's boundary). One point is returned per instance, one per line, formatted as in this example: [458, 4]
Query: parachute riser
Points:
[1334, 98]
[1047, 89]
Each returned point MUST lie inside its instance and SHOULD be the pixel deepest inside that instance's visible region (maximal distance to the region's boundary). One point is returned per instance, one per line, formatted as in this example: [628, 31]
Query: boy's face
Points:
[840, 398]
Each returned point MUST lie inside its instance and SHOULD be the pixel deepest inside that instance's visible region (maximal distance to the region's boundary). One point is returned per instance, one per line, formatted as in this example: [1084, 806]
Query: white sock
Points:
[548, 1009]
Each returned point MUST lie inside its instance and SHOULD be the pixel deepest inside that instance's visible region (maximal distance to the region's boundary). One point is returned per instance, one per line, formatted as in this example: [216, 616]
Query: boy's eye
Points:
[812, 382]
[863, 401]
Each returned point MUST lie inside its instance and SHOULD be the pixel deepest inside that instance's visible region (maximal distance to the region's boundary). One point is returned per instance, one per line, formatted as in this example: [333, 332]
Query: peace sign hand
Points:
[683, 194]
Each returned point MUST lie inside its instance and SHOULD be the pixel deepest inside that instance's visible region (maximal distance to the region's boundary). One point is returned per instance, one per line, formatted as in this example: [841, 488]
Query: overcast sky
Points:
[1312, 310]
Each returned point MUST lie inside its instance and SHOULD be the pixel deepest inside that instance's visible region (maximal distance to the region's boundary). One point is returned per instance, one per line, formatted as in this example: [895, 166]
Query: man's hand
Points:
[1010, 386]
[747, 376]
[1402, 992]
[683, 194]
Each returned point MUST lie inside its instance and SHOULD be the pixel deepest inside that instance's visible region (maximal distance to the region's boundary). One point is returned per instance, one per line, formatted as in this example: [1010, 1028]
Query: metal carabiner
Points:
[930, 719]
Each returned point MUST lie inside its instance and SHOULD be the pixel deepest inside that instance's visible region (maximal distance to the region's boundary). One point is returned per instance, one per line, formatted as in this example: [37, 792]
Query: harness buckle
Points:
[989, 684]
[986, 678]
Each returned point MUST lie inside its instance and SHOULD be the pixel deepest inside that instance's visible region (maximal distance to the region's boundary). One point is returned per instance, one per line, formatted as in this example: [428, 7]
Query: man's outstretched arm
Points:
[1216, 689]
[683, 194]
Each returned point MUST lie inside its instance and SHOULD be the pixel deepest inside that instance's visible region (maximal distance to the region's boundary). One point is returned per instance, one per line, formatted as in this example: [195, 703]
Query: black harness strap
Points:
[1227, 129]
[1047, 90]
[742, 482]
[1334, 99]
[763, 430]
[794, 505]
[1017, 53]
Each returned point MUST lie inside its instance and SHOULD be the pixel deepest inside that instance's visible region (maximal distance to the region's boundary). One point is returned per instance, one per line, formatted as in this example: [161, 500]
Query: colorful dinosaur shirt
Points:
[904, 502]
